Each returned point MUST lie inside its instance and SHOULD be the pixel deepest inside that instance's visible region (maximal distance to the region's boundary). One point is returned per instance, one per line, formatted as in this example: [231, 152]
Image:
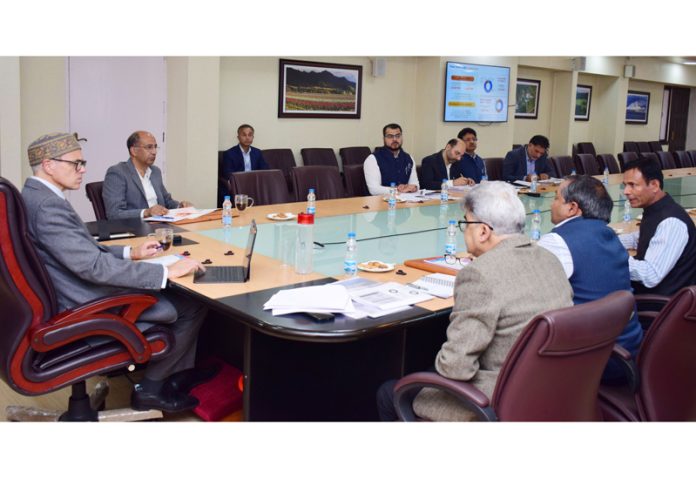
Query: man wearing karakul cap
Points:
[83, 270]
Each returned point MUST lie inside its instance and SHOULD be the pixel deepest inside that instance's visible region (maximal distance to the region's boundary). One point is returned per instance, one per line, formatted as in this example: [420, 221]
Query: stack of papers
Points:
[180, 214]
[322, 299]
[440, 285]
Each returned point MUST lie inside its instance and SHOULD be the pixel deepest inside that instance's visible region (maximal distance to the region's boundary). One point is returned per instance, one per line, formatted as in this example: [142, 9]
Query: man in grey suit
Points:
[510, 281]
[134, 188]
[82, 269]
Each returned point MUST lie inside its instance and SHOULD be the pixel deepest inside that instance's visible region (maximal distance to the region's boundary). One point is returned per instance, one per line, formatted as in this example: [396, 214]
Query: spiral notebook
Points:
[440, 285]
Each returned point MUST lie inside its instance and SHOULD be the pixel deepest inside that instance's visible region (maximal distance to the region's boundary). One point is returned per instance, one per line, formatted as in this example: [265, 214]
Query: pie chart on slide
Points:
[499, 105]
[488, 86]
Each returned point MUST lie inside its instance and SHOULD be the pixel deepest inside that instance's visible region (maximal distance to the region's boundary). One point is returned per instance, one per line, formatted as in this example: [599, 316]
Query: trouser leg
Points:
[385, 402]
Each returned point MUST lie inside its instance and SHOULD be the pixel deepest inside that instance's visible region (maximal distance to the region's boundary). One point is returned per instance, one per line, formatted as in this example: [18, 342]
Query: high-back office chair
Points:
[651, 156]
[655, 146]
[224, 186]
[282, 159]
[42, 350]
[551, 373]
[630, 147]
[586, 148]
[625, 158]
[564, 165]
[325, 180]
[666, 160]
[265, 186]
[609, 161]
[643, 147]
[419, 173]
[692, 155]
[354, 155]
[666, 366]
[94, 194]
[319, 157]
[494, 168]
[587, 164]
[682, 159]
[355, 180]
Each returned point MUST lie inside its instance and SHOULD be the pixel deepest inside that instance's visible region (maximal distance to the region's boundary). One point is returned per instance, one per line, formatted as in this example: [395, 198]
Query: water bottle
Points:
[227, 213]
[533, 179]
[484, 177]
[311, 202]
[392, 197]
[605, 179]
[536, 225]
[572, 172]
[304, 247]
[350, 264]
[627, 210]
[444, 192]
[451, 242]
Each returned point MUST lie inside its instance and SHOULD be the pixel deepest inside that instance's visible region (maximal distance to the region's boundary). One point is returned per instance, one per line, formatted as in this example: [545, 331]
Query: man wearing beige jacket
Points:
[510, 281]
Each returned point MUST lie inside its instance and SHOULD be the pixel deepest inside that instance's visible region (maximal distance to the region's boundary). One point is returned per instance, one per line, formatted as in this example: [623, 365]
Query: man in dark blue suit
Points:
[445, 164]
[243, 157]
[520, 163]
[471, 164]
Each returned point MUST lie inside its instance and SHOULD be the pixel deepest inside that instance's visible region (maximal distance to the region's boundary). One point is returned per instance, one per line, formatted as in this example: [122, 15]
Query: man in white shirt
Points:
[390, 164]
[134, 188]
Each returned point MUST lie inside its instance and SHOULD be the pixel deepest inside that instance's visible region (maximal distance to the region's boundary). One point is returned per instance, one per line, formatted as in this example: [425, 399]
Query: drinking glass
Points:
[242, 201]
[165, 236]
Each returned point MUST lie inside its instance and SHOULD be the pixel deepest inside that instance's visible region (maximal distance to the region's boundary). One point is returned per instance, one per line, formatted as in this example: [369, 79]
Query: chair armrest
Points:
[649, 307]
[95, 318]
[472, 398]
[659, 300]
[624, 358]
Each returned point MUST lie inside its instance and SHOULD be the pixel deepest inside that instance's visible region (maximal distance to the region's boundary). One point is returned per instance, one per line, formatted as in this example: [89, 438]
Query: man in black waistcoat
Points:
[390, 164]
[665, 244]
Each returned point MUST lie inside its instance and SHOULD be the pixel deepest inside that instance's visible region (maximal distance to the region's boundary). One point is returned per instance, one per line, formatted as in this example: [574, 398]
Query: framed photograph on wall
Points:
[527, 98]
[583, 99]
[309, 89]
[637, 106]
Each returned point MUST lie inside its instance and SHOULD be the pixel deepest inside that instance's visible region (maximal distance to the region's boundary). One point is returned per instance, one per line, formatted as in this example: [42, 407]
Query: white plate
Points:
[398, 199]
[275, 216]
[363, 266]
[618, 230]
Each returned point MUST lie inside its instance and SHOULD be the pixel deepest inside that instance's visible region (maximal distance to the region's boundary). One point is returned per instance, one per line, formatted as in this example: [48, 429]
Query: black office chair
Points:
[586, 148]
[564, 165]
[655, 146]
[643, 147]
[353, 155]
[609, 161]
[42, 350]
[666, 160]
[626, 157]
[652, 157]
[283, 159]
[587, 164]
[94, 194]
[355, 180]
[319, 157]
[630, 147]
[683, 159]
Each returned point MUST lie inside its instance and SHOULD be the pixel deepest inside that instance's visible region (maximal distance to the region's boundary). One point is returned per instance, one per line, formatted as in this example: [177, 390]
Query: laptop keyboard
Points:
[223, 274]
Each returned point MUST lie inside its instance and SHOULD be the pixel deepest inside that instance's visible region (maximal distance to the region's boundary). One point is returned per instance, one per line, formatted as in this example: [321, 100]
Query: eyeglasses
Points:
[462, 224]
[452, 260]
[393, 136]
[78, 163]
[149, 147]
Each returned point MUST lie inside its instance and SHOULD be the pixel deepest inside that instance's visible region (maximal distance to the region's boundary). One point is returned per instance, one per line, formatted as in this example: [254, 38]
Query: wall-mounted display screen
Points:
[476, 93]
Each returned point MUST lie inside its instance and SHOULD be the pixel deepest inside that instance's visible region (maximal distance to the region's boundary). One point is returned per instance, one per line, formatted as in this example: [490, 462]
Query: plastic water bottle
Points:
[311, 202]
[227, 213]
[444, 192]
[484, 177]
[627, 210]
[533, 179]
[392, 197]
[535, 234]
[350, 264]
[605, 179]
[451, 243]
[572, 172]
[304, 247]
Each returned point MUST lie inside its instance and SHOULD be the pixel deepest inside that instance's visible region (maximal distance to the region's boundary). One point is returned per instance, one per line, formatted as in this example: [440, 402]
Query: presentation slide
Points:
[476, 93]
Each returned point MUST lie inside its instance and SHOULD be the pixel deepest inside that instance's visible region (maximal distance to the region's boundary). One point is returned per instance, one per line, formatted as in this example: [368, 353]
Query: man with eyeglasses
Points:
[83, 270]
[445, 164]
[519, 164]
[390, 164]
[471, 164]
[495, 296]
[134, 188]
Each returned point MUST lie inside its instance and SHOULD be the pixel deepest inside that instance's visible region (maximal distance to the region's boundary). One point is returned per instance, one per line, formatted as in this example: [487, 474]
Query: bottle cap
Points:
[227, 198]
[393, 185]
[304, 218]
[444, 180]
[351, 234]
[311, 190]
[452, 221]
[536, 211]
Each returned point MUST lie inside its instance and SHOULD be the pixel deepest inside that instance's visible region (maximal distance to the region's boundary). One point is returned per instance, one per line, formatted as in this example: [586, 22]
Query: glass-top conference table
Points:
[297, 368]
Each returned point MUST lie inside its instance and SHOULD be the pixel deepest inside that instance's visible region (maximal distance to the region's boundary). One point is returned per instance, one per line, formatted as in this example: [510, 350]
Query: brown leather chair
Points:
[325, 180]
[42, 350]
[626, 157]
[630, 147]
[224, 185]
[587, 164]
[665, 389]
[586, 148]
[355, 180]
[354, 155]
[94, 194]
[564, 165]
[682, 159]
[609, 161]
[666, 160]
[319, 157]
[265, 186]
[494, 168]
[655, 146]
[551, 373]
[283, 159]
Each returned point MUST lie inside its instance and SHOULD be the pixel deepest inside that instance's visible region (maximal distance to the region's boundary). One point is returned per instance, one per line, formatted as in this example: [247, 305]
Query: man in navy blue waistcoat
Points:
[594, 260]
[390, 164]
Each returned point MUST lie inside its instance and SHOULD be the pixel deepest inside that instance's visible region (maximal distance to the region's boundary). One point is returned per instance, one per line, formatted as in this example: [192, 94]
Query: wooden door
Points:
[678, 117]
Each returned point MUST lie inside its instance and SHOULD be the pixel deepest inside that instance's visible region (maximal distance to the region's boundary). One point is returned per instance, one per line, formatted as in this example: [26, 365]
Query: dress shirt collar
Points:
[50, 186]
[565, 220]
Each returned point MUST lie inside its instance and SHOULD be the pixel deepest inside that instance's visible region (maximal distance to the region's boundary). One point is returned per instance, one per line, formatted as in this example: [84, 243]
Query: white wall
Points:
[691, 122]
[10, 121]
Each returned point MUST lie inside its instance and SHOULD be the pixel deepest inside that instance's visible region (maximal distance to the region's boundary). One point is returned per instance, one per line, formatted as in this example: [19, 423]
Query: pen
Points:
[318, 244]
[416, 286]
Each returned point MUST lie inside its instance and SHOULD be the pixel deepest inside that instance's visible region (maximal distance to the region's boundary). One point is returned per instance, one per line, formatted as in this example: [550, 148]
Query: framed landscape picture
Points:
[309, 89]
[637, 106]
[583, 99]
[527, 98]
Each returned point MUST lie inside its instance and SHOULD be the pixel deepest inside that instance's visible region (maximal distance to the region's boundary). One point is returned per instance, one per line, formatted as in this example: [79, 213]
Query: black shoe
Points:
[164, 400]
[185, 380]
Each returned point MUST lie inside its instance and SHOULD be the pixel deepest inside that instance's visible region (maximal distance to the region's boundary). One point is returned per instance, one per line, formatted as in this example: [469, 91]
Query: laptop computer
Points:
[222, 274]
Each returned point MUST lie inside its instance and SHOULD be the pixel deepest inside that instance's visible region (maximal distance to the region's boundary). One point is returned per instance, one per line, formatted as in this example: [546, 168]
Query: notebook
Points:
[440, 285]
[223, 274]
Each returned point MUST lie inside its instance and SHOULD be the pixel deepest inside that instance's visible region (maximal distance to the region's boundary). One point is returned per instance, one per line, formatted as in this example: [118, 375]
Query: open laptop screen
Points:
[246, 264]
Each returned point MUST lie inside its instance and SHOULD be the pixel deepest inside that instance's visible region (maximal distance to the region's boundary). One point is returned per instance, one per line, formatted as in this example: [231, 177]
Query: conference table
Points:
[298, 368]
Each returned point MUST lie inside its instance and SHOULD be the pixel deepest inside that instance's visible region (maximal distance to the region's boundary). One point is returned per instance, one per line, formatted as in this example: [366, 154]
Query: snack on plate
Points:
[374, 265]
[282, 215]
